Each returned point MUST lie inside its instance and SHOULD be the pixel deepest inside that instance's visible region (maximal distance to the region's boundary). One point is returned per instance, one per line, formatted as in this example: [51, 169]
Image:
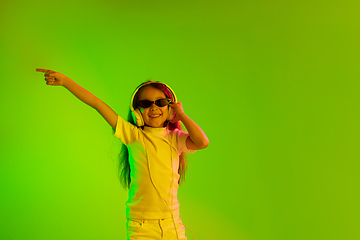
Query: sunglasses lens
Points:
[144, 103]
[162, 102]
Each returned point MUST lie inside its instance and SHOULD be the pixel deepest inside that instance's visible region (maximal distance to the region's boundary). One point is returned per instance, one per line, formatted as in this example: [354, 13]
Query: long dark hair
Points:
[124, 166]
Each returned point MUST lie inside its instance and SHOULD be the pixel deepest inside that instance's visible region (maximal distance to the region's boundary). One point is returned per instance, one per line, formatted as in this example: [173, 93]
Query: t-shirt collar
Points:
[162, 130]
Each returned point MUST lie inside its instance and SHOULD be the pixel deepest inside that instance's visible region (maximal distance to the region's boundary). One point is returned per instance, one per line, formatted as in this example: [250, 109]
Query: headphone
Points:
[136, 113]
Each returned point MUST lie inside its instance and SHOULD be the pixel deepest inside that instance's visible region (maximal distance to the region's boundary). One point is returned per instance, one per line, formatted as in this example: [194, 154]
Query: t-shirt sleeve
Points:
[182, 136]
[125, 131]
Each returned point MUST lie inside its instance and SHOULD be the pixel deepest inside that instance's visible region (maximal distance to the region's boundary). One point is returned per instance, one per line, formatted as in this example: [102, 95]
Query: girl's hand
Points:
[179, 111]
[52, 77]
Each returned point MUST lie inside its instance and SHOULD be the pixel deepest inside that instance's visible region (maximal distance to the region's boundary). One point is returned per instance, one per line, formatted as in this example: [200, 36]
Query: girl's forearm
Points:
[81, 93]
[197, 135]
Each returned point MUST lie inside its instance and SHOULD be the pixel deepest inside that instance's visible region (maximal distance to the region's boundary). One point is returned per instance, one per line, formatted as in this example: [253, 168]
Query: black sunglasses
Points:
[160, 102]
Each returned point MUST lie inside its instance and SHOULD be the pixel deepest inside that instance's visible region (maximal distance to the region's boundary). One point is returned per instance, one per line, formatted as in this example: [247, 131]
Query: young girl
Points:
[152, 143]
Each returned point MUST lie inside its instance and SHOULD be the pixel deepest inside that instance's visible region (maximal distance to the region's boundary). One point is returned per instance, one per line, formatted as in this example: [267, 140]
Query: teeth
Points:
[155, 116]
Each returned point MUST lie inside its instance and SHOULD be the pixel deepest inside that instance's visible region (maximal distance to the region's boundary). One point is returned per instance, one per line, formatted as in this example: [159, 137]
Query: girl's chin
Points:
[156, 125]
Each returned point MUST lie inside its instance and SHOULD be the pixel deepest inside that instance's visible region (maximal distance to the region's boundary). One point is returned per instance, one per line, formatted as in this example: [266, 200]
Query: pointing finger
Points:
[42, 70]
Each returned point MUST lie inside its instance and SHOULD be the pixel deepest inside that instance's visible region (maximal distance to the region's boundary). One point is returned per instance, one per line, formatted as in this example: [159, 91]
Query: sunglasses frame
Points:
[157, 102]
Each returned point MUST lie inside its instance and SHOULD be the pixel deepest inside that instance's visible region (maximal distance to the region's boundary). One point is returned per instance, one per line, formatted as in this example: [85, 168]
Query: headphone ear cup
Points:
[137, 117]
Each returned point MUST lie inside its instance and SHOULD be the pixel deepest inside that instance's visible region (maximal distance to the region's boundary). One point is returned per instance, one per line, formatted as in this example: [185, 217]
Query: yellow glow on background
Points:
[274, 84]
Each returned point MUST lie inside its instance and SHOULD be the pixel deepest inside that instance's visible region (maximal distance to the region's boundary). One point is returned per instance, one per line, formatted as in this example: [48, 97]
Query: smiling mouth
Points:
[155, 116]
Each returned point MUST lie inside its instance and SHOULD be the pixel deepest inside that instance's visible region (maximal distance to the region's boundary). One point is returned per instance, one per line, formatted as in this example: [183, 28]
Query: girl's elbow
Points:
[205, 144]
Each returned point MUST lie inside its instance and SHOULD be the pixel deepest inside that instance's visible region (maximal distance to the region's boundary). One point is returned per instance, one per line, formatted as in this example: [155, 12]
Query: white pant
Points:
[155, 229]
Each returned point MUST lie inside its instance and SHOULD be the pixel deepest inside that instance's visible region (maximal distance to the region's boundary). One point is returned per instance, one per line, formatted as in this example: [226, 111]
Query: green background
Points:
[274, 85]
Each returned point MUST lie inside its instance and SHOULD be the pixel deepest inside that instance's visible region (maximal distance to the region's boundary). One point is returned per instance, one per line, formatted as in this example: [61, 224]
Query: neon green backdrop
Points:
[274, 84]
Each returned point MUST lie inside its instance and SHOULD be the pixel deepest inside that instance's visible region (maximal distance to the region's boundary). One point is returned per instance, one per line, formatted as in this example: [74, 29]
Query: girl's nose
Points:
[153, 106]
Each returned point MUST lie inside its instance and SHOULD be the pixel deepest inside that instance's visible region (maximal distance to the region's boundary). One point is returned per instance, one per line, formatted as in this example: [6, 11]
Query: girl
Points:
[152, 143]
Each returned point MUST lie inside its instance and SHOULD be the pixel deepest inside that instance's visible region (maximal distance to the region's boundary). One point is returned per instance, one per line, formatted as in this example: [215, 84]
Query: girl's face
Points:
[154, 116]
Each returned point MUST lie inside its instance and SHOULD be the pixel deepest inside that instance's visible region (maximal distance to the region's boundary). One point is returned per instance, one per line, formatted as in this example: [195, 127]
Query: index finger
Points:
[43, 70]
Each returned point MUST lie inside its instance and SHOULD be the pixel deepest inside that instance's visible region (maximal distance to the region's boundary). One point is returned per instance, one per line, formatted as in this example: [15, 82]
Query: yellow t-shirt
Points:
[154, 160]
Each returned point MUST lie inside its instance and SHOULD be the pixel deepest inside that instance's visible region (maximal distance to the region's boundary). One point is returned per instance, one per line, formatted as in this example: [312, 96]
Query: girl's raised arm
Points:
[58, 79]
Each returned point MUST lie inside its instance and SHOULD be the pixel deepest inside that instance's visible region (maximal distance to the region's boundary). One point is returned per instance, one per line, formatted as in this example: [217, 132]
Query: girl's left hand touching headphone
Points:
[179, 111]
